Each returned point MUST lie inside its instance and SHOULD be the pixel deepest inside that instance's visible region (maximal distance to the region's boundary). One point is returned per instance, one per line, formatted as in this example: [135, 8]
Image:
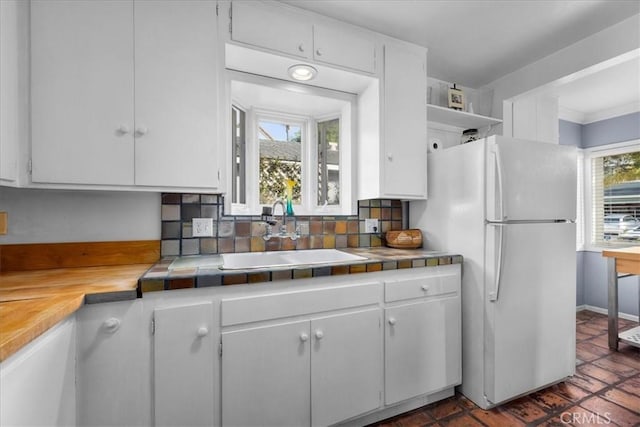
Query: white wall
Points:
[46, 216]
[596, 49]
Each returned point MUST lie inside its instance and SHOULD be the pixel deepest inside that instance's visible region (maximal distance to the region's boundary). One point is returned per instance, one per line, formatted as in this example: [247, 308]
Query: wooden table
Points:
[627, 262]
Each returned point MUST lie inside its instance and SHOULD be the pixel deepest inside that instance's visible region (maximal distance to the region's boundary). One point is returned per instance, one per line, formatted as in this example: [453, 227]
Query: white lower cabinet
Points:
[309, 352]
[37, 384]
[311, 372]
[112, 365]
[265, 375]
[183, 355]
[345, 366]
[422, 336]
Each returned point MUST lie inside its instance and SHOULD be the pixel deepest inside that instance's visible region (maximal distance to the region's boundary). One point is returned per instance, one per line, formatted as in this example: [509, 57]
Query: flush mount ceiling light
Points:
[302, 72]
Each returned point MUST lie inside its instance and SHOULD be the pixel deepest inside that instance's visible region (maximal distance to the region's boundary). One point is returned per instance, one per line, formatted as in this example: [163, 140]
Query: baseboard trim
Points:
[600, 310]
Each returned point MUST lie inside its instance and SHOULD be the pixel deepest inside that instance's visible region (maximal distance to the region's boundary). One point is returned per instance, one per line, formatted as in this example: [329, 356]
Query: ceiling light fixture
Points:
[302, 72]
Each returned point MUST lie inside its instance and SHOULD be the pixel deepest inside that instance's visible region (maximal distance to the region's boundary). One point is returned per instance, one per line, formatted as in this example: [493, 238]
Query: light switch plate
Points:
[202, 227]
[371, 225]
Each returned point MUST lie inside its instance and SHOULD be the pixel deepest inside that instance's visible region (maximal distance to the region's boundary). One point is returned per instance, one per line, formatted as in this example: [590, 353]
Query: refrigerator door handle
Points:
[493, 296]
[496, 150]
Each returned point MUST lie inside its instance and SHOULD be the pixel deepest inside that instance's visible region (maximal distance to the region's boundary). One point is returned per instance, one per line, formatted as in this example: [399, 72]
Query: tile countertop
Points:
[33, 301]
[161, 278]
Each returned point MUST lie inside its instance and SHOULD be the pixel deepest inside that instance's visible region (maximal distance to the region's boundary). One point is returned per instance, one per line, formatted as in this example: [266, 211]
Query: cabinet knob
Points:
[390, 156]
[319, 334]
[141, 131]
[112, 324]
[425, 288]
[122, 130]
[301, 47]
[202, 331]
[392, 321]
[319, 52]
[304, 337]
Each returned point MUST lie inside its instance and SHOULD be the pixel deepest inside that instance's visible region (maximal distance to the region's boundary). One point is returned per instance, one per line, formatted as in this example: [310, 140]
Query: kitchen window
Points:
[279, 135]
[613, 181]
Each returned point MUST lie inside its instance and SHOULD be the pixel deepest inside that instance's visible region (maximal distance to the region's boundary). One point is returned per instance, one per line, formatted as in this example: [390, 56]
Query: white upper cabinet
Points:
[82, 92]
[273, 28]
[345, 47]
[298, 34]
[14, 78]
[176, 93]
[392, 127]
[405, 129]
[124, 93]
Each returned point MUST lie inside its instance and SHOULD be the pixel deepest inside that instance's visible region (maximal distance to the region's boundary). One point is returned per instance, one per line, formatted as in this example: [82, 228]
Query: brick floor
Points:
[604, 391]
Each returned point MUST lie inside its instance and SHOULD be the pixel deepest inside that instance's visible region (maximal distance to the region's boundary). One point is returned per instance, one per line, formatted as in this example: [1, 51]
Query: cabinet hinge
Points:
[230, 18]
[220, 348]
[30, 166]
[153, 326]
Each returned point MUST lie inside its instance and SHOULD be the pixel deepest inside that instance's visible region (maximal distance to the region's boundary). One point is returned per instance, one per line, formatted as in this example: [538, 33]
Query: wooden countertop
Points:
[627, 259]
[31, 302]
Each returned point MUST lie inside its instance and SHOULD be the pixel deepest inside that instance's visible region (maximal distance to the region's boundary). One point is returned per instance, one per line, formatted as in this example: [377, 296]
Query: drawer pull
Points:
[202, 331]
[425, 288]
[304, 337]
[392, 321]
[319, 334]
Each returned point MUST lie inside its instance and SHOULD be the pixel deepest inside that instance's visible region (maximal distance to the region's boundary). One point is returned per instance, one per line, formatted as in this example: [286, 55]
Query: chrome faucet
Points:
[283, 224]
[269, 219]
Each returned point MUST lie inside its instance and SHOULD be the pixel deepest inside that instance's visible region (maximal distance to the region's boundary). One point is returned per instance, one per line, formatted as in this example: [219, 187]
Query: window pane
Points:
[238, 156]
[280, 160]
[329, 162]
[616, 184]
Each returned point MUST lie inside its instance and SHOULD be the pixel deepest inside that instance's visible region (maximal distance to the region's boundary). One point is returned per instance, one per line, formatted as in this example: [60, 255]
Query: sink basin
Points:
[242, 261]
[196, 261]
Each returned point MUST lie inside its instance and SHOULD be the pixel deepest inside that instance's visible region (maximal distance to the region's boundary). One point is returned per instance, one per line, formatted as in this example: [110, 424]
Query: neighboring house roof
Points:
[289, 151]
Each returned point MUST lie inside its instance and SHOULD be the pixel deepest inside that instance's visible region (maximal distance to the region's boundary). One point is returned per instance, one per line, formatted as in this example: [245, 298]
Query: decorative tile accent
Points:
[281, 275]
[234, 279]
[244, 233]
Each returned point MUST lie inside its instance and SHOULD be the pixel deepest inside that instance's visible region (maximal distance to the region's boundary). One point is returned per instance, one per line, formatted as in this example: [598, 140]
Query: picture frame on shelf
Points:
[456, 98]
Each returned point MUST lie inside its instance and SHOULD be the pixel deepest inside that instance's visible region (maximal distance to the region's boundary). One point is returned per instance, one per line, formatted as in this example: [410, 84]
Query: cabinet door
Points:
[404, 154]
[112, 366]
[271, 27]
[12, 62]
[422, 348]
[82, 91]
[265, 376]
[183, 365]
[175, 93]
[345, 47]
[346, 367]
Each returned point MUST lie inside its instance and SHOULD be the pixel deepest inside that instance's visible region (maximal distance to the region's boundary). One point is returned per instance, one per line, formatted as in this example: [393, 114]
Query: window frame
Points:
[589, 154]
[309, 206]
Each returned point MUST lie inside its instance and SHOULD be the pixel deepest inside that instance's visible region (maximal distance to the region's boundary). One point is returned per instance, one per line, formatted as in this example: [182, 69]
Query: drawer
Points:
[256, 308]
[422, 286]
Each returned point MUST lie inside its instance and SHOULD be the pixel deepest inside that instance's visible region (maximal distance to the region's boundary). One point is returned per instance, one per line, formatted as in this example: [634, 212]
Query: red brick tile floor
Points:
[604, 391]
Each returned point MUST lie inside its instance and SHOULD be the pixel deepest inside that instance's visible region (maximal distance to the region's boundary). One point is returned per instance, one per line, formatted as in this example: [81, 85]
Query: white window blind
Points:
[615, 194]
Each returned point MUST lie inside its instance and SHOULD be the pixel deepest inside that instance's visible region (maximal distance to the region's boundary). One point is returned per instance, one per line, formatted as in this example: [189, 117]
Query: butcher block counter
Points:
[32, 301]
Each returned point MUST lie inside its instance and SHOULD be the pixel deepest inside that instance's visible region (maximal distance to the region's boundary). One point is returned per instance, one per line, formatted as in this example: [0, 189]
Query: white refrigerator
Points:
[509, 207]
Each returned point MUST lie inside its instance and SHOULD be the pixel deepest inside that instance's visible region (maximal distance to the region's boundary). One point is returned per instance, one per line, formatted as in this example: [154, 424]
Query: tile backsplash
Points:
[244, 233]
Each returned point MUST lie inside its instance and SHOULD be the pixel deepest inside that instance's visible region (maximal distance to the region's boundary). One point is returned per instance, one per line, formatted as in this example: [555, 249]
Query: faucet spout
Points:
[283, 224]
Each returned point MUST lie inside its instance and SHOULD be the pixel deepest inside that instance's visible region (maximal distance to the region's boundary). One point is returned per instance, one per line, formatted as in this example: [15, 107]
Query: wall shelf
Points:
[460, 119]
